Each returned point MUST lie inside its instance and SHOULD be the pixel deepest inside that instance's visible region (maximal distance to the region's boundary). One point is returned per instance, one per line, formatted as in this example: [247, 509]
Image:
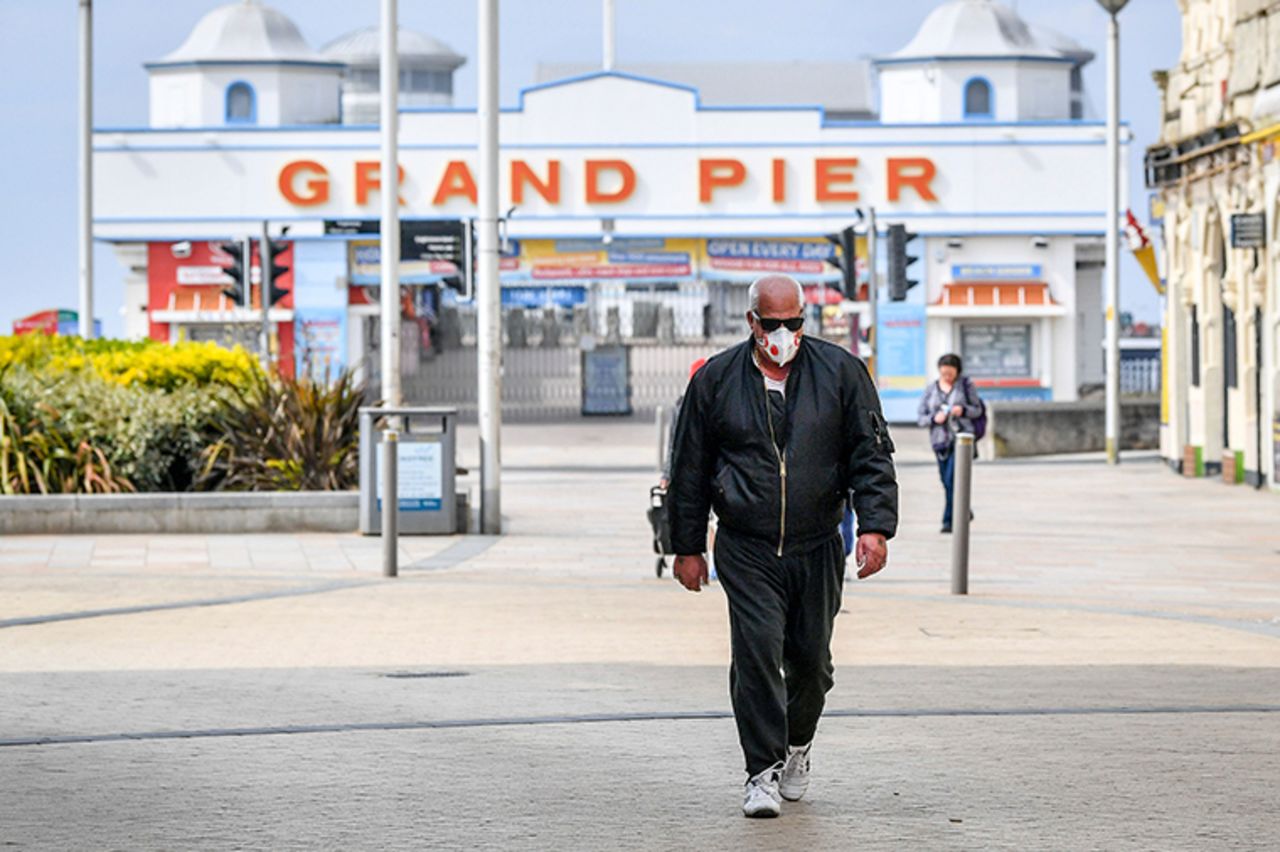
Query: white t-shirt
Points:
[770, 384]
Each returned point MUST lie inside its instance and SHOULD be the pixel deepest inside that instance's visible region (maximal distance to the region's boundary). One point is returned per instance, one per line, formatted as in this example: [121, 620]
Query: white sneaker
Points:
[795, 773]
[761, 798]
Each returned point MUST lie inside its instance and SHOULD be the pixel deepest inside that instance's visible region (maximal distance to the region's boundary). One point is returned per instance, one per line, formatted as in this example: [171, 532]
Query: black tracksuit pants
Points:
[781, 613]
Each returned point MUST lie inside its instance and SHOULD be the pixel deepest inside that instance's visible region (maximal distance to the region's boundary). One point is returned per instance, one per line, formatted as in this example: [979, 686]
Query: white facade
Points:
[1009, 204]
[279, 95]
[976, 60]
[1219, 158]
[247, 64]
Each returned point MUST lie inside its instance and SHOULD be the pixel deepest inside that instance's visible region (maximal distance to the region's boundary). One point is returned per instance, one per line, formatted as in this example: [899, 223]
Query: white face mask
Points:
[780, 345]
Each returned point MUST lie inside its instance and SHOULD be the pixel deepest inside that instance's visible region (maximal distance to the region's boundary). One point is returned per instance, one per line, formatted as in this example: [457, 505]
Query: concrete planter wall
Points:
[1048, 428]
[248, 512]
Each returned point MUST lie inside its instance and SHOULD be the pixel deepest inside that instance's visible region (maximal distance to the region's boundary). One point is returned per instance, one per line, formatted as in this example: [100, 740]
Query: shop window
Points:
[241, 107]
[996, 350]
[1195, 347]
[978, 99]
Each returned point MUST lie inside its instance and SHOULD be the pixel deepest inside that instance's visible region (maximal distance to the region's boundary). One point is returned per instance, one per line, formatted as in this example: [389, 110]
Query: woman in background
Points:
[949, 406]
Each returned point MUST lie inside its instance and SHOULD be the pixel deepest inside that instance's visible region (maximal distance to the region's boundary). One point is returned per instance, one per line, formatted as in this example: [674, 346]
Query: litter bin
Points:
[426, 470]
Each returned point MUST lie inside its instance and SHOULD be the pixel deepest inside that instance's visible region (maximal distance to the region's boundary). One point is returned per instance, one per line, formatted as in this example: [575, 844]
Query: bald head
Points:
[777, 296]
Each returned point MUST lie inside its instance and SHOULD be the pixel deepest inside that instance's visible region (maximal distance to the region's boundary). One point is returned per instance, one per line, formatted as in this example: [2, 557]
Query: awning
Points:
[996, 298]
[202, 306]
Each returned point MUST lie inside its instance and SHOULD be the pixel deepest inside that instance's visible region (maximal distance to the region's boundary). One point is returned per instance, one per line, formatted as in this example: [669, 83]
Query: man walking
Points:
[774, 434]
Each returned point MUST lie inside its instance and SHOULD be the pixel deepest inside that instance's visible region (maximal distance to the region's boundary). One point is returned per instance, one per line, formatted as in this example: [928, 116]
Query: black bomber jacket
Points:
[836, 443]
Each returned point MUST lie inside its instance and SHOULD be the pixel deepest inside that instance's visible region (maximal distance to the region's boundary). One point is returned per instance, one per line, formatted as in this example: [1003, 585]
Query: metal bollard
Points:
[659, 417]
[961, 486]
[390, 504]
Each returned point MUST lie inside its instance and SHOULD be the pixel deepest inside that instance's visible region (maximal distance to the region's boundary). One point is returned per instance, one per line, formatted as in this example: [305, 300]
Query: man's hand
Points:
[940, 418]
[872, 552]
[957, 411]
[691, 571]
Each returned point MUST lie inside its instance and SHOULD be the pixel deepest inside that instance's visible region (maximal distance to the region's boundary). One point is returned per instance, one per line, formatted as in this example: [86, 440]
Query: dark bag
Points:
[979, 422]
[660, 522]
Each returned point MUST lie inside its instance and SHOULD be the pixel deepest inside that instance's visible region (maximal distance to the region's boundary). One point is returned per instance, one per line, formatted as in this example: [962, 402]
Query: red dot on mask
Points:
[773, 350]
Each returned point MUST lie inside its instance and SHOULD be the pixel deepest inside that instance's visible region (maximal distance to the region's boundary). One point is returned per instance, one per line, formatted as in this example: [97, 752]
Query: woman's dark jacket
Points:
[834, 441]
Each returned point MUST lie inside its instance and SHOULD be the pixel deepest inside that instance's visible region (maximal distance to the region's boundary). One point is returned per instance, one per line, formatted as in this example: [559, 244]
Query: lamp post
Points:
[86, 169]
[1112, 8]
[389, 278]
[488, 292]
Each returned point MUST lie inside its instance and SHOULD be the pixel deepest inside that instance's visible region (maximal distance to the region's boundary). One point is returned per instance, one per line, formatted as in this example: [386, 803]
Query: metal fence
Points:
[665, 325]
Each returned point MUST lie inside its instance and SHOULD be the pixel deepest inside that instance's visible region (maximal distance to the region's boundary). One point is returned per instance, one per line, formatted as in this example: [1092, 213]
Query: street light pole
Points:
[609, 34]
[86, 169]
[389, 279]
[1113, 8]
[488, 304]
[389, 83]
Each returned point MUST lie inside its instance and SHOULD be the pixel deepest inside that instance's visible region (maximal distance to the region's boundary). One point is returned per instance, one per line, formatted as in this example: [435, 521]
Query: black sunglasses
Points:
[772, 324]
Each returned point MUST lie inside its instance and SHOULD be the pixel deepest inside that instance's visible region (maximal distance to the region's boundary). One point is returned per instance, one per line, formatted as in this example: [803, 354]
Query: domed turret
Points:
[975, 60]
[426, 71]
[243, 64]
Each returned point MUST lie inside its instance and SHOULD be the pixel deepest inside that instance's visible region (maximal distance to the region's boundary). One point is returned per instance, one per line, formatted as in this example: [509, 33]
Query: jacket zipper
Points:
[782, 472]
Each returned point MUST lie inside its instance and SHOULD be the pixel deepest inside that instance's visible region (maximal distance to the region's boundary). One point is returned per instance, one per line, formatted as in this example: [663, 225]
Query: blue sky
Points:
[38, 86]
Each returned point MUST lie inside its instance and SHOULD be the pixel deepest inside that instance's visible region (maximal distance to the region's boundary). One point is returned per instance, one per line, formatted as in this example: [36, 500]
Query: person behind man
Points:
[773, 434]
[948, 407]
[671, 432]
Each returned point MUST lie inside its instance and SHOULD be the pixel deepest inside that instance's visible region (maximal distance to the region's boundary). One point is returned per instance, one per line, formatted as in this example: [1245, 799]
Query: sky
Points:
[38, 74]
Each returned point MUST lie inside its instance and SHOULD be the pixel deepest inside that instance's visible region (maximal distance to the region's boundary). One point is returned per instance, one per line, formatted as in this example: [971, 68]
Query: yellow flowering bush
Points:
[145, 363]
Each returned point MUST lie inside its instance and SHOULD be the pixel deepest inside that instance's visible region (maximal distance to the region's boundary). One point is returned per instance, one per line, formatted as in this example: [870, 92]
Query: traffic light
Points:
[461, 282]
[846, 260]
[271, 271]
[241, 260]
[899, 260]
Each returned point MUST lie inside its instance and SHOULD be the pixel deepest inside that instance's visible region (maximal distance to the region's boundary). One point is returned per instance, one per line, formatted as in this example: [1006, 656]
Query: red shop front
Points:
[185, 299]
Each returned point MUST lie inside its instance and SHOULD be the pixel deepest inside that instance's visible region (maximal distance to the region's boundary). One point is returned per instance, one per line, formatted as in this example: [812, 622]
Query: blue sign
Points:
[997, 272]
[577, 246]
[543, 297]
[901, 339]
[679, 257]
[901, 372]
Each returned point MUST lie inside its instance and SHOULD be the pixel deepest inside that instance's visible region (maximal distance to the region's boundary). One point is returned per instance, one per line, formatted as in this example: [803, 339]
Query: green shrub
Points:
[42, 452]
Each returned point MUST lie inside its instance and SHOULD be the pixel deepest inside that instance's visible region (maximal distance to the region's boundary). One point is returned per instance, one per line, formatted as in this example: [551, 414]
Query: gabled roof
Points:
[839, 87]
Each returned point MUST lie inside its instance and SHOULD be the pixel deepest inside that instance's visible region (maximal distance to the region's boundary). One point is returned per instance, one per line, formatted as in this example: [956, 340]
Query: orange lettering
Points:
[316, 188]
[457, 180]
[596, 167]
[522, 173]
[829, 173]
[779, 181]
[915, 172]
[368, 177]
[714, 173]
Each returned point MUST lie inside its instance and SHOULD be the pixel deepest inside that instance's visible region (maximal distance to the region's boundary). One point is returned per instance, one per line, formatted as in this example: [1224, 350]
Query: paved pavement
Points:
[1113, 680]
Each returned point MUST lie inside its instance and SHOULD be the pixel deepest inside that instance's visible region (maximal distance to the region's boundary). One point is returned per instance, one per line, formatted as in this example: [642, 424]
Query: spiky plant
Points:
[284, 434]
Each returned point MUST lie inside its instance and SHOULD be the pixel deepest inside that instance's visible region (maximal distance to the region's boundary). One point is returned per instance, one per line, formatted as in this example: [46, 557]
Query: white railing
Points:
[1140, 376]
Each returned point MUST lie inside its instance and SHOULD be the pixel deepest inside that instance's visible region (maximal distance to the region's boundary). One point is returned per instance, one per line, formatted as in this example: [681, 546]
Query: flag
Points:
[1143, 250]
